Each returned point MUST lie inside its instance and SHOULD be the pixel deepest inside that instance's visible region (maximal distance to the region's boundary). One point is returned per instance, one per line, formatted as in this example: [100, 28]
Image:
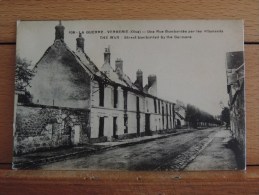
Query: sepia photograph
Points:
[136, 95]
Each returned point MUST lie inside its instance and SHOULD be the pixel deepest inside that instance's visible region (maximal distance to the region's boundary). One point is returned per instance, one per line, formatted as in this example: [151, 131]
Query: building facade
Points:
[116, 107]
[235, 88]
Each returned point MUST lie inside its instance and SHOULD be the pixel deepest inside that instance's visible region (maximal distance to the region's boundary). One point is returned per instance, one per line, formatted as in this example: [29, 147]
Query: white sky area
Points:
[190, 70]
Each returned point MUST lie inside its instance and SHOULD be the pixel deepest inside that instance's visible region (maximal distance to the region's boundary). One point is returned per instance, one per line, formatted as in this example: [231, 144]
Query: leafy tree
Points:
[195, 116]
[23, 74]
[191, 115]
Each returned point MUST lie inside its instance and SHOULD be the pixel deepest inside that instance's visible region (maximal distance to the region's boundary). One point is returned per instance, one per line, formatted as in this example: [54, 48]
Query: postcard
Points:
[151, 95]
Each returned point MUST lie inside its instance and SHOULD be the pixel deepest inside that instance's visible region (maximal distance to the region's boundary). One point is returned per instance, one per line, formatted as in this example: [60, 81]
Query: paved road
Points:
[174, 152]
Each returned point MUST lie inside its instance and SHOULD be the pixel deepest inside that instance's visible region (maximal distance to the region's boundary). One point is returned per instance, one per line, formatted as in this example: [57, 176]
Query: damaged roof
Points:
[122, 79]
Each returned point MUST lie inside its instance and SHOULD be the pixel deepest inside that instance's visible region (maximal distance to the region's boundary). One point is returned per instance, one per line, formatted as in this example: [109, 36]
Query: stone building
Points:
[235, 89]
[110, 104]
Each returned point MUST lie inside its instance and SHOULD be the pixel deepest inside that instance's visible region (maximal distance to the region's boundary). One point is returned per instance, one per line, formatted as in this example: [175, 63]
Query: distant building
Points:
[180, 119]
[180, 113]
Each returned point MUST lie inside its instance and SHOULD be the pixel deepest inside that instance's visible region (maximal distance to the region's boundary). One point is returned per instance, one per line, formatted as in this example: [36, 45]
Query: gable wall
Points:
[60, 80]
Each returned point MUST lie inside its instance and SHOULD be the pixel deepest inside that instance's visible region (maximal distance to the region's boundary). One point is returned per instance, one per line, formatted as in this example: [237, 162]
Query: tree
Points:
[23, 74]
[195, 117]
[192, 115]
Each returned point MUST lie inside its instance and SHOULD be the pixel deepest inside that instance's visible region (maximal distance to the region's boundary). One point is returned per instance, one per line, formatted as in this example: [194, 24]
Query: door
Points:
[77, 130]
[125, 123]
[115, 127]
[167, 126]
[138, 124]
[147, 125]
[138, 116]
[101, 126]
[178, 124]
[163, 119]
[69, 130]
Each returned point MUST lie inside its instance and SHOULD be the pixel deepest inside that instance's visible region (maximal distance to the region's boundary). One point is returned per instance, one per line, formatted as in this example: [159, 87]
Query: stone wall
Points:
[237, 118]
[44, 127]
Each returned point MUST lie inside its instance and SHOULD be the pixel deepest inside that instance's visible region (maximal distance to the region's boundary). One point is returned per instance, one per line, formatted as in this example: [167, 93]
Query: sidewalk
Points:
[219, 151]
[31, 160]
[136, 140]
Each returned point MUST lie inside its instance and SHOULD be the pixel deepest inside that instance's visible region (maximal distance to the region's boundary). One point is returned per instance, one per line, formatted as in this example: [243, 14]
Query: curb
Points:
[44, 161]
[143, 141]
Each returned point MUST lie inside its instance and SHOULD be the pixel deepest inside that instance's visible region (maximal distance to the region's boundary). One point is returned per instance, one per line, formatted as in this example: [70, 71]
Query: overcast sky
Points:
[191, 70]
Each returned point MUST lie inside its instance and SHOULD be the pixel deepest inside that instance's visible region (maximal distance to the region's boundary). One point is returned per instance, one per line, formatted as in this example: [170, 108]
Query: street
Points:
[171, 153]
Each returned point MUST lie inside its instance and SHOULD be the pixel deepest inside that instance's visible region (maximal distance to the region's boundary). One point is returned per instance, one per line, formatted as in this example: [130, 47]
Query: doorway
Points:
[77, 130]
[163, 119]
[138, 116]
[101, 126]
[147, 125]
[115, 128]
[138, 124]
[178, 124]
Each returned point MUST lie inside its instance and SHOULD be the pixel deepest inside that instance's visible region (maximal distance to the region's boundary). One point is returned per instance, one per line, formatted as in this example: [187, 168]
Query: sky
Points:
[188, 69]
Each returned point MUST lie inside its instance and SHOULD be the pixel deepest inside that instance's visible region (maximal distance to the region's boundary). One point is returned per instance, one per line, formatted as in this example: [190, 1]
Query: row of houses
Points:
[88, 104]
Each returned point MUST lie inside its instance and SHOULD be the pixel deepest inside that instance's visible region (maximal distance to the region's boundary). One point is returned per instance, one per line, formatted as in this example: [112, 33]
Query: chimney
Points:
[80, 41]
[139, 81]
[152, 84]
[59, 31]
[107, 55]
[151, 80]
[119, 67]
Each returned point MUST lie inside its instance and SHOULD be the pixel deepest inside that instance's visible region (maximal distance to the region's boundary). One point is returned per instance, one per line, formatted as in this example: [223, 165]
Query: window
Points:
[137, 104]
[125, 97]
[101, 94]
[147, 104]
[115, 97]
[159, 106]
[155, 105]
